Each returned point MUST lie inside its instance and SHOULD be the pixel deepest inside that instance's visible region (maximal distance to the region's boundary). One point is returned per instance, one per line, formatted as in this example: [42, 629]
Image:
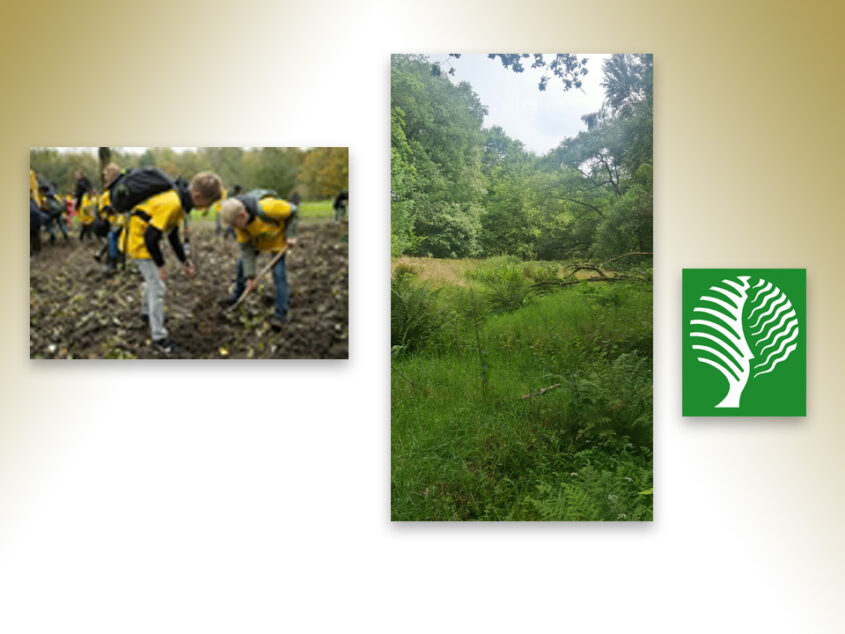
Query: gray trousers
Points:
[152, 297]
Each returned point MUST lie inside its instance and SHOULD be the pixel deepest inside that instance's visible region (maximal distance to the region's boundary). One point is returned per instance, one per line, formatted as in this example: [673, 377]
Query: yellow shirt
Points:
[165, 213]
[87, 209]
[106, 212]
[263, 235]
[34, 192]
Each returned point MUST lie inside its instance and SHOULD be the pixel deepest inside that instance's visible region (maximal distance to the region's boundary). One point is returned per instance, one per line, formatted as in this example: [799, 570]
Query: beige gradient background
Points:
[177, 497]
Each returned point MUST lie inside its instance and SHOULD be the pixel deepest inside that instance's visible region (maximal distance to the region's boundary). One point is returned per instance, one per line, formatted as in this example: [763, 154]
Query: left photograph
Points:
[189, 253]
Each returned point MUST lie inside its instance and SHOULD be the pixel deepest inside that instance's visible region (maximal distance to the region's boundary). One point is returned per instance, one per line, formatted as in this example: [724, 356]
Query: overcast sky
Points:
[539, 119]
[131, 150]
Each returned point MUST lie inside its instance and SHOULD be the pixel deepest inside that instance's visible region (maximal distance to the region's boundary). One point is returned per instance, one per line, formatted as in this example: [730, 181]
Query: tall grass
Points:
[467, 445]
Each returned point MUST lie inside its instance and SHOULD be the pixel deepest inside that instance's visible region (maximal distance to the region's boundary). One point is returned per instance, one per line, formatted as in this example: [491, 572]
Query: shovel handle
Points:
[261, 274]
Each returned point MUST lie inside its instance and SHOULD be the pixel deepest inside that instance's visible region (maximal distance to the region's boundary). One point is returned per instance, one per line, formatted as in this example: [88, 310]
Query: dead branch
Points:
[583, 267]
[625, 255]
[542, 391]
[392, 367]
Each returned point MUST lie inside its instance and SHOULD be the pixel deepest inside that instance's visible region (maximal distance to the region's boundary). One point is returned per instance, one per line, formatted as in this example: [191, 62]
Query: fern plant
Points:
[415, 317]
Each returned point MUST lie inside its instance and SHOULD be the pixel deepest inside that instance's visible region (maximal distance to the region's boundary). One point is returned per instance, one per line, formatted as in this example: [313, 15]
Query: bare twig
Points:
[542, 391]
[554, 283]
[625, 255]
[392, 367]
[618, 278]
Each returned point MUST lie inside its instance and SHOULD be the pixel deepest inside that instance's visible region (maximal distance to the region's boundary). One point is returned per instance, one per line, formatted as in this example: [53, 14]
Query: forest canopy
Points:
[459, 189]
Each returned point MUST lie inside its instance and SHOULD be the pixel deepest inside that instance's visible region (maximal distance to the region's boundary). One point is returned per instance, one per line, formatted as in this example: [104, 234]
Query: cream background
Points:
[139, 497]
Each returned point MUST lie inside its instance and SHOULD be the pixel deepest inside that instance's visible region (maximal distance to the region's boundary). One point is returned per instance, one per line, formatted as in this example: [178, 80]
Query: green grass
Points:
[466, 446]
[316, 208]
[308, 210]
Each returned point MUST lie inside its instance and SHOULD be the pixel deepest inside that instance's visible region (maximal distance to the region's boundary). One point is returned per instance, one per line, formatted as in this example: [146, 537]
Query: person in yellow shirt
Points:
[52, 208]
[151, 219]
[34, 193]
[87, 214]
[262, 225]
[36, 216]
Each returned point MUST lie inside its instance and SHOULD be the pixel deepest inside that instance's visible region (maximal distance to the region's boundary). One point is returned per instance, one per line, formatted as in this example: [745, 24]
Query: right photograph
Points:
[521, 287]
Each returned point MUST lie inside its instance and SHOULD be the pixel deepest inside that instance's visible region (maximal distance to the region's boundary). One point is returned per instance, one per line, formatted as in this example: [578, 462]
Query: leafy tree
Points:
[147, 159]
[437, 181]
[275, 168]
[604, 174]
[325, 171]
[60, 168]
[564, 66]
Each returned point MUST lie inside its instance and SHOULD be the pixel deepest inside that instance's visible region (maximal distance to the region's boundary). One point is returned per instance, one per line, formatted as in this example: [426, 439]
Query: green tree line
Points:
[317, 173]
[461, 190]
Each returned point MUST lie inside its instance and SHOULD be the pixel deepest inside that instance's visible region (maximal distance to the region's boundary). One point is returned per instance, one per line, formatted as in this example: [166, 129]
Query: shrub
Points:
[593, 494]
[506, 286]
[415, 317]
[539, 272]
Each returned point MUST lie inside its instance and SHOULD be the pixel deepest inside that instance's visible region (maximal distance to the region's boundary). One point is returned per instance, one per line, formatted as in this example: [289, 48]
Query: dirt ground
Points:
[77, 311]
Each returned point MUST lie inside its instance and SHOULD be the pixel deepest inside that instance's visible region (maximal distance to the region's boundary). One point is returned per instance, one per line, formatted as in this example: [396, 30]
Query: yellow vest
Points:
[87, 209]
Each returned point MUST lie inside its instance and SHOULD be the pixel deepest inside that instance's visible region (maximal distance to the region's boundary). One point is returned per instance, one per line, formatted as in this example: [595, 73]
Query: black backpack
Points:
[134, 186]
[250, 202]
[261, 194]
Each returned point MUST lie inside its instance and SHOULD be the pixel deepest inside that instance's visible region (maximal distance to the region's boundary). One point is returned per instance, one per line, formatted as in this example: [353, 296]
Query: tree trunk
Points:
[105, 158]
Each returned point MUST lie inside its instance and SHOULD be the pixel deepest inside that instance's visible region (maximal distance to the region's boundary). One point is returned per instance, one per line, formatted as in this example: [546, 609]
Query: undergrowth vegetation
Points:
[521, 395]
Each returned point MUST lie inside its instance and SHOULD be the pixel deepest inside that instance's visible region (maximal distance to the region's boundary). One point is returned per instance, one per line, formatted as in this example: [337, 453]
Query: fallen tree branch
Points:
[542, 391]
[583, 267]
[554, 283]
[625, 255]
[392, 367]
[619, 278]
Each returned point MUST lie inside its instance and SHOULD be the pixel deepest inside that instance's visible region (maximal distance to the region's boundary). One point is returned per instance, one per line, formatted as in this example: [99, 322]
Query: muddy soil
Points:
[78, 311]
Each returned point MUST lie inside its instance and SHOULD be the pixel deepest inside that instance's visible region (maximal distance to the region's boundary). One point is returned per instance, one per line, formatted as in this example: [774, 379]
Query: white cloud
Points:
[541, 120]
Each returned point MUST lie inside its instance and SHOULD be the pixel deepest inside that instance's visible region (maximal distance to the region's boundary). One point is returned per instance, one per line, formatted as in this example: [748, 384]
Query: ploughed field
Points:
[77, 311]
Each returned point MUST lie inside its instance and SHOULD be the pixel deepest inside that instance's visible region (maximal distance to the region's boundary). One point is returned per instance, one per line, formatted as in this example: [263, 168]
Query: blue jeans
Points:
[58, 222]
[280, 281]
[113, 235]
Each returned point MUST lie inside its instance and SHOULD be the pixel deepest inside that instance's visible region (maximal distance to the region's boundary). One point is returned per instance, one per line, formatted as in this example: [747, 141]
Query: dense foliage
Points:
[521, 390]
[461, 190]
[515, 404]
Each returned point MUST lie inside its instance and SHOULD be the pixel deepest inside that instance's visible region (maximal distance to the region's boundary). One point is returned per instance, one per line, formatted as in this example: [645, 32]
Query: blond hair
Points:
[208, 186]
[230, 209]
[110, 172]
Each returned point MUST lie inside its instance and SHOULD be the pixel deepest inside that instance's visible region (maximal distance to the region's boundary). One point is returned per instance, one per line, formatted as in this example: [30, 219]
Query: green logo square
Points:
[744, 342]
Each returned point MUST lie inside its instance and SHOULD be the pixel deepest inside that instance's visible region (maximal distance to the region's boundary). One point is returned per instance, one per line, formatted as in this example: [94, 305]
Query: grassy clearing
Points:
[462, 272]
[467, 445]
[308, 210]
[316, 209]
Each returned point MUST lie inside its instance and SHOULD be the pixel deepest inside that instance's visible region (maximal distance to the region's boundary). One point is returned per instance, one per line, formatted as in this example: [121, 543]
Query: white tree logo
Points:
[768, 318]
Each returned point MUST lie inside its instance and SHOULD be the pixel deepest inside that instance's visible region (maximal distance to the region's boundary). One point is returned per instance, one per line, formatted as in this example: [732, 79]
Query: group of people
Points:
[260, 220]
